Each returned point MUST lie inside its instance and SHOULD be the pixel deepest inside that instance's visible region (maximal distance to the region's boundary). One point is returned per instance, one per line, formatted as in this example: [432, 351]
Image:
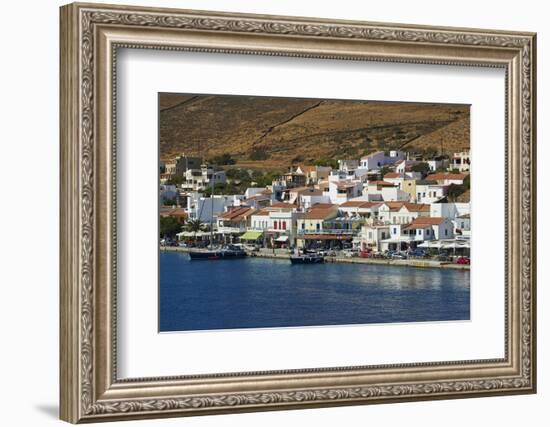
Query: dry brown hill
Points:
[304, 130]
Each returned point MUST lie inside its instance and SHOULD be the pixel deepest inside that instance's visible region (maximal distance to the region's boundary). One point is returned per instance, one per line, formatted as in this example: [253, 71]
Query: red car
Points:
[464, 260]
[366, 254]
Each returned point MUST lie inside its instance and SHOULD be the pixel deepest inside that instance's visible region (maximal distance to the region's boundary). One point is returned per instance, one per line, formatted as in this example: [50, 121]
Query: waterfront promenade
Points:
[284, 254]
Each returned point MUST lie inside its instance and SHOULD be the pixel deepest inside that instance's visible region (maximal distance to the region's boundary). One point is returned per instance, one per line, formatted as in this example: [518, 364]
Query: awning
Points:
[281, 239]
[251, 235]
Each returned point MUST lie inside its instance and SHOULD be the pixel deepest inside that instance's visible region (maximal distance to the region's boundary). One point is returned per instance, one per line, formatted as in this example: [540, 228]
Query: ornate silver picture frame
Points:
[91, 34]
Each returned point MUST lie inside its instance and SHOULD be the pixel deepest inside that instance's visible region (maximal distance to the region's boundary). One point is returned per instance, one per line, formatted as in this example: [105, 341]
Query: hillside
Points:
[287, 130]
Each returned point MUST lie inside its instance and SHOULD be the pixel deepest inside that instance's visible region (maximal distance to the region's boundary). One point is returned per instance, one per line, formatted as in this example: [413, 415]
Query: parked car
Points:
[464, 260]
[366, 254]
[350, 253]
[418, 253]
[399, 255]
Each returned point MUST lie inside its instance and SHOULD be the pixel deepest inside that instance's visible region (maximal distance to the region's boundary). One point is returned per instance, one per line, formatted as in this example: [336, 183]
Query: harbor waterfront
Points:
[262, 292]
[283, 254]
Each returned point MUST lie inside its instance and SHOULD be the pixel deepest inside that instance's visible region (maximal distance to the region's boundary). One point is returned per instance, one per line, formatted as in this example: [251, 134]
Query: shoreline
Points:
[355, 260]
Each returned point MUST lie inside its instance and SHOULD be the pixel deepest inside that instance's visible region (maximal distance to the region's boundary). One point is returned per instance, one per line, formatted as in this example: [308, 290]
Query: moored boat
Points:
[306, 259]
[230, 252]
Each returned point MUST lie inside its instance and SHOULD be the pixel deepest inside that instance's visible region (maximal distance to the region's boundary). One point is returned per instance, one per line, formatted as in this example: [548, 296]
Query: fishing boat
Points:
[229, 252]
[306, 258]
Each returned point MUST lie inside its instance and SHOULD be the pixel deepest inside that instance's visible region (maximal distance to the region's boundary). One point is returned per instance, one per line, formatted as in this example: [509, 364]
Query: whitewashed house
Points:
[203, 178]
[430, 191]
[445, 178]
[437, 163]
[360, 208]
[460, 161]
[348, 166]
[405, 165]
[402, 212]
[340, 190]
[371, 236]
[384, 191]
[379, 159]
[206, 209]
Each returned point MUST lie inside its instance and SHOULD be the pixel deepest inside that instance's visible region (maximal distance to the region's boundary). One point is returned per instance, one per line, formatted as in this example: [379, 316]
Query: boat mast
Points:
[211, 205]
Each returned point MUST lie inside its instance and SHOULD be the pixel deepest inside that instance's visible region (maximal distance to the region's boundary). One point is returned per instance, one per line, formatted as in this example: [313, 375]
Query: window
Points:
[446, 232]
[275, 225]
[303, 225]
[383, 234]
[428, 232]
[394, 230]
[318, 227]
[284, 225]
[418, 232]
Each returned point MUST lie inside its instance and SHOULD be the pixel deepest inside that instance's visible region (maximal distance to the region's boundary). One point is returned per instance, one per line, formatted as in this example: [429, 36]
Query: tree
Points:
[333, 163]
[169, 226]
[168, 202]
[454, 191]
[385, 170]
[421, 167]
[194, 226]
[175, 180]
[223, 159]
[259, 154]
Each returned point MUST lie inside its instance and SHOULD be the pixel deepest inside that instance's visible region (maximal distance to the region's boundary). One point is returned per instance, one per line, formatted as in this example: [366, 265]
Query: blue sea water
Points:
[259, 293]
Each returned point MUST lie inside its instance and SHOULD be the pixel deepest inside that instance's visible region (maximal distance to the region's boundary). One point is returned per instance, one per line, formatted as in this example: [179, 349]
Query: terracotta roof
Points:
[302, 190]
[175, 212]
[442, 176]
[237, 214]
[431, 220]
[394, 206]
[283, 205]
[320, 213]
[381, 183]
[393, 175]
[259, 197]
[417, 207]
[359, 204]
[322, 205]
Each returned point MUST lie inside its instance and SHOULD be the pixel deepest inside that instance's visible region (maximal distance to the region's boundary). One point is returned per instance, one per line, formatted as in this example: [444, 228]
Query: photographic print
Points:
[288, 212]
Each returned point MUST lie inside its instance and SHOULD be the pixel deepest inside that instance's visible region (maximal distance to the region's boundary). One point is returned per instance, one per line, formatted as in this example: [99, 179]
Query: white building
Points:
[405, 165]
[348, 165]
[437, 163]
[427, 192]
[203, 178]
[460, 161]
[447, 178]
[371, 236]
[449, 210]
[208, 208]
[384, 191]
[402, 213]
[340, 190]
[360, 208]
[379, 159]
[406, 236]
